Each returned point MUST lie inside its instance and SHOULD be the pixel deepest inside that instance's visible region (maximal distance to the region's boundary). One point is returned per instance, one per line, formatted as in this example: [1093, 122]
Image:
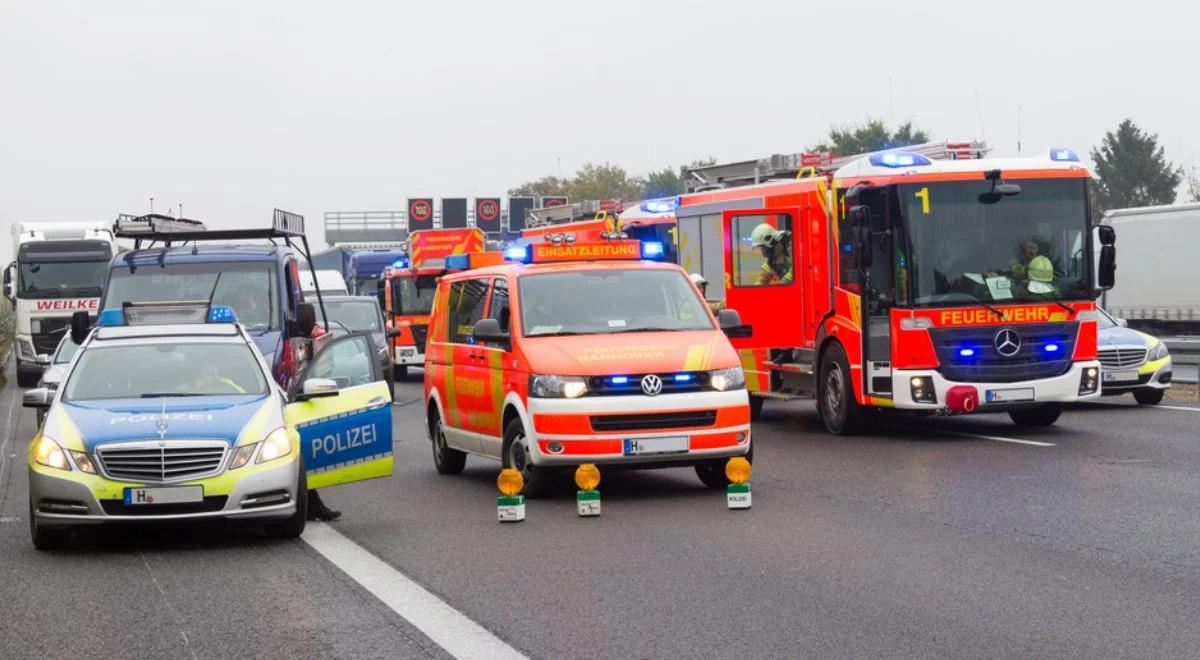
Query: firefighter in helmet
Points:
[776, 248]
[1041, 277]
[702, 284]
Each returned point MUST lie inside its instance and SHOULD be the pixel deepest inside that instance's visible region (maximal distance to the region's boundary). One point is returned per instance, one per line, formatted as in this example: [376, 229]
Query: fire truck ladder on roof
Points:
[788, 166]
[586, 210]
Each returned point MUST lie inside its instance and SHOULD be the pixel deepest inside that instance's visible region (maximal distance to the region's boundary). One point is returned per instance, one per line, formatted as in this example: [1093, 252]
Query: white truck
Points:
[1156, 288]
[58, 269]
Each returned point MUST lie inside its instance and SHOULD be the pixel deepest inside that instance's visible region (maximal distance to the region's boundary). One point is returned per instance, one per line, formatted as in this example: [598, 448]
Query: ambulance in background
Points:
[928, 278]
[58, 269]
[407, 287]
[582, 352]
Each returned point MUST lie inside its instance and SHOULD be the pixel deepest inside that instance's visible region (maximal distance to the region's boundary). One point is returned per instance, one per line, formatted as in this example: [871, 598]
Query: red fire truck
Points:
[929, 279]
[406, 289]
[647, 221]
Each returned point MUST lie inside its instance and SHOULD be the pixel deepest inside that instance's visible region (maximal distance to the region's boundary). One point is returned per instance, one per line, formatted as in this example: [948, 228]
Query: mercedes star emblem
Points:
[651, 384]
[1007, 342]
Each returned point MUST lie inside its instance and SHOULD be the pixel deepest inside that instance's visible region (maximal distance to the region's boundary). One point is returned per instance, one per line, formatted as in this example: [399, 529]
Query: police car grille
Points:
[1120, 358]
[650, 421]
[176, 461]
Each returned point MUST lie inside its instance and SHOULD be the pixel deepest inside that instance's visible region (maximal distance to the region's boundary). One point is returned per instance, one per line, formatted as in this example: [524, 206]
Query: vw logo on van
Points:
[651, 385]
[1007, 342]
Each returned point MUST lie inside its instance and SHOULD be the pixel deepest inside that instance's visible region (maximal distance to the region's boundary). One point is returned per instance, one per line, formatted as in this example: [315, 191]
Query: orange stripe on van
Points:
[581, 423]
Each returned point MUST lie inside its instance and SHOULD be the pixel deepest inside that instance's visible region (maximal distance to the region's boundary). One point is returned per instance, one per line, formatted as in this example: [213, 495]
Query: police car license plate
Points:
[1006, 396]
[165, 495]
[1119, 376]
[676, 444]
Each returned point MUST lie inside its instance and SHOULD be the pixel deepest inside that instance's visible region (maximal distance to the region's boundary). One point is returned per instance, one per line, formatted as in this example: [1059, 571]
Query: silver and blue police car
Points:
[162, 419]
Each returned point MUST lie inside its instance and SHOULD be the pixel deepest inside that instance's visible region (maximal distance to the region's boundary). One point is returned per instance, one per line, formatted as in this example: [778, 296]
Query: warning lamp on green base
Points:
[510, 506]
[587, 500]
[737, 493]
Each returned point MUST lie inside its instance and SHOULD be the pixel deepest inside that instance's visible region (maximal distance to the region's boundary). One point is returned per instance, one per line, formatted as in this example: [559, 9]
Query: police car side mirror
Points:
[488, 331]
[315, 388]
[38, 398]
[81, 323]
[730, 323]
[1122, 322]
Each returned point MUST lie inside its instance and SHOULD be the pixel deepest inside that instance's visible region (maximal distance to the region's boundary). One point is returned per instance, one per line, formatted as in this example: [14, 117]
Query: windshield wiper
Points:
[646, 329]
[990, 308]
[565, 333]
[155, 395]
[1070, 310]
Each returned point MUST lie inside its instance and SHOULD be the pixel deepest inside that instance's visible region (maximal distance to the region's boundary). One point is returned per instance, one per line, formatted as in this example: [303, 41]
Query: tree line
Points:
[1131, 168]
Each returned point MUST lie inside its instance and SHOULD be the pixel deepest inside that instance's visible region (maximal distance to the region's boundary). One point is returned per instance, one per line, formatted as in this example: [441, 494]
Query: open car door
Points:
[342, 411]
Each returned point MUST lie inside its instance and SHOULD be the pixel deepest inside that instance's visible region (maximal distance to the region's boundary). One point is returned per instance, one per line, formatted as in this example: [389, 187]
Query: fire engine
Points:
[407, 287]
[651, 221]
[930, 279]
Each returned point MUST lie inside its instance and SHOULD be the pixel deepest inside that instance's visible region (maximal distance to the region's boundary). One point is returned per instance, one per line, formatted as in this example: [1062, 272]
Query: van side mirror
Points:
[730, 323]
[488, 331]
[392, 333]
[37, 398]
[1107, 275]
[306, 318]
[81, 324]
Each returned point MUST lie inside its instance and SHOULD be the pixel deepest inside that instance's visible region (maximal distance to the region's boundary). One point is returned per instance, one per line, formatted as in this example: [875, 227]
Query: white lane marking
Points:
[446, 626]
[996, 438]
[1154, 407]
[12, 431]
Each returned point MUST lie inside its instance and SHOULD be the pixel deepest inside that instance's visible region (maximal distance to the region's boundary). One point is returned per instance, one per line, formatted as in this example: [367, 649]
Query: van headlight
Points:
[1157, 352]
[732, 378]
[557, 387]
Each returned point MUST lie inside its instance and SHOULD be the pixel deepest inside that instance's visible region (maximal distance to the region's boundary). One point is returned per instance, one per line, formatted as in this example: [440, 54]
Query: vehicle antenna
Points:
[1018, 131]
[979, 113]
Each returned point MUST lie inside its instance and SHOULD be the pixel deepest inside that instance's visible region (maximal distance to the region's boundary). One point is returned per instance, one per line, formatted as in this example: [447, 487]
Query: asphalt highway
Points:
[929, 537]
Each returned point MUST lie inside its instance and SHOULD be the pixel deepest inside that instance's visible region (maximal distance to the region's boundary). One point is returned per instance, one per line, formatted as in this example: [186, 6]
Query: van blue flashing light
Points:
[458, 261]
[966, 352]
[110, 317]
[899, 159]
[683, 378]
[1064, 155]
[1050, 348]
[517, 253]
[400, 263]
[619, 380]
[660, 205]
[652, 250]
[221, 314]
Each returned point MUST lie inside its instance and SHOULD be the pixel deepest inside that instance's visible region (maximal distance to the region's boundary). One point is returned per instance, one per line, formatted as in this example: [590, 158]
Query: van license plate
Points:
[1007, 396]
[676, 444]
[168, 495]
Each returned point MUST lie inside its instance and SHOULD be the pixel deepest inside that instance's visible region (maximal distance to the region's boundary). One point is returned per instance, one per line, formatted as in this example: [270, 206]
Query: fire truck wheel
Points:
[1148, 396]
[516, 456]
[756, 404]
[836, 405]
[400, 372]
[1043, 415]
[445, 459]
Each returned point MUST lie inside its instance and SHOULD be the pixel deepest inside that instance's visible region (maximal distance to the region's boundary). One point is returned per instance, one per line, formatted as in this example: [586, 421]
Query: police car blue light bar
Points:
[1064, 155]
[111, 317]
[221, 314]
[898, 159]
[652, 250]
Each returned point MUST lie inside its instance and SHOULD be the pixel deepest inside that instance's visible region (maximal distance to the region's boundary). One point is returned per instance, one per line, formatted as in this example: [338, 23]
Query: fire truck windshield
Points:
[608, 301]
[414, 293]
[60, 279]
[1023, 248]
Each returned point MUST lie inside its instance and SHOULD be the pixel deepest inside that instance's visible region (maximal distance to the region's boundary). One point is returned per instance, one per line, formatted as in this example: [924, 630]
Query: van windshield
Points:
[610, 301]
[249, 288]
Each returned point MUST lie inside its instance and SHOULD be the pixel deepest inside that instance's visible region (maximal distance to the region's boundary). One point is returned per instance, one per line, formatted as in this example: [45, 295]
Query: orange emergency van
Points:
[583, 353]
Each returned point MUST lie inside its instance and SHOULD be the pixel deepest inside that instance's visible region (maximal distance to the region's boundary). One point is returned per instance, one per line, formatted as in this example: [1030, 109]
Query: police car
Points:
[583, 353]
[169, 412]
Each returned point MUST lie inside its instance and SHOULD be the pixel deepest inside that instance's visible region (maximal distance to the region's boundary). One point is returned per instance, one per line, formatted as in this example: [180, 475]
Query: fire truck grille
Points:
[52, 331]
[971, 355]
[419, 333]
[651, 421]
[1121, 358]
[178, 460]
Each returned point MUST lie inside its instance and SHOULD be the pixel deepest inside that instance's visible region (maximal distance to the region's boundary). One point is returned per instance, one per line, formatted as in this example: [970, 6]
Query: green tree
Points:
[547, 185]
[872, 135]
[1193, 186]
[1132, 171]
[662, 183]
[606, 181]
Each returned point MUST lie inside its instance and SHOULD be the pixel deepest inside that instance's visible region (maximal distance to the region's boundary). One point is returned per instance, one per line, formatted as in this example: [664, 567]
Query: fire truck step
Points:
[780, 396]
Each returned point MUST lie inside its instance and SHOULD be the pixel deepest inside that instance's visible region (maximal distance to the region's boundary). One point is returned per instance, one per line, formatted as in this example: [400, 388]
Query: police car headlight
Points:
[277, 445]
[47, 452]
[241, 455]
[1158, 352]
[82, 461]
[732, 378]
[557, 387]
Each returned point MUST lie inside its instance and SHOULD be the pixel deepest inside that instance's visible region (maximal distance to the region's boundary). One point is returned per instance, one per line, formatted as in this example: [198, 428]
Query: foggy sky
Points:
[235, 108]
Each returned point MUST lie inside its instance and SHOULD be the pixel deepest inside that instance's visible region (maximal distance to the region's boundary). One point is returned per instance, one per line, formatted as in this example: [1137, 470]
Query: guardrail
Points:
[1185, 351]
